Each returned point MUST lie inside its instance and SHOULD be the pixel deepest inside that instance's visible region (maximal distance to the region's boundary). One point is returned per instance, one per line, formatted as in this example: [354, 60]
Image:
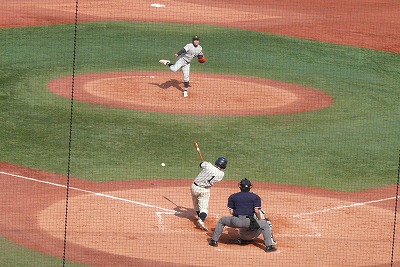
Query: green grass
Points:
[351, 145]
[16, 255]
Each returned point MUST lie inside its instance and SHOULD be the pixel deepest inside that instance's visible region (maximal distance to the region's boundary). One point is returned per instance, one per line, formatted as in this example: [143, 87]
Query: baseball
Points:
[163, 164]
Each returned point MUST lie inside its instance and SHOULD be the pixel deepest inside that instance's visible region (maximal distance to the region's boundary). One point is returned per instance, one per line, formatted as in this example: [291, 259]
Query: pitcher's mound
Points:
[209, 94]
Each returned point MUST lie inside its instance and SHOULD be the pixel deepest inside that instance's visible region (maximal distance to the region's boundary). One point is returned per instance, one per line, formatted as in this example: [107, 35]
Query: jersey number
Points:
[212, 177]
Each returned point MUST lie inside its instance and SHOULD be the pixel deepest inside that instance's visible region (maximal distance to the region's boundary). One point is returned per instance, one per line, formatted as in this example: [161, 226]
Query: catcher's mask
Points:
[245, 185]
[221, 162]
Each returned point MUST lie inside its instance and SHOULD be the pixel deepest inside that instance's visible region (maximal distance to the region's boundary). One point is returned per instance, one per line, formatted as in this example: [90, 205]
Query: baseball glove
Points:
[202, 59]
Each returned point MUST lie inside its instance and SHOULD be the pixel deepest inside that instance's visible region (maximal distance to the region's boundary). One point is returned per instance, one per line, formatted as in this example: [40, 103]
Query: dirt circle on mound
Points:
[209, 94]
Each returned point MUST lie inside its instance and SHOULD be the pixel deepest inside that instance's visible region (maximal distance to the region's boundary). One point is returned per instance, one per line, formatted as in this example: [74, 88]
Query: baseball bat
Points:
[196, 145]
[171, 201]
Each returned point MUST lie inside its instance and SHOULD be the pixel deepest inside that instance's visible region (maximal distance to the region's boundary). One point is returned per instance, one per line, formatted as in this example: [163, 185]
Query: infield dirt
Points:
[311, 226]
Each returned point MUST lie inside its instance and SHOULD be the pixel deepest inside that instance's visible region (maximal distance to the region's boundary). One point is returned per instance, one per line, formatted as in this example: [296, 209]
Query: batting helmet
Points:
[221, 162]
[196, 37]
[245, 185]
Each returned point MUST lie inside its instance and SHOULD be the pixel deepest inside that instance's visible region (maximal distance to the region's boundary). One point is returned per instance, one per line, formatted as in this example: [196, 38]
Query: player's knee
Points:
[173, 68]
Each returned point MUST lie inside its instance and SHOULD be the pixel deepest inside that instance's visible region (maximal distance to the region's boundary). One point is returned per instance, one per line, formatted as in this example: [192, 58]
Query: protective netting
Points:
[101, 103]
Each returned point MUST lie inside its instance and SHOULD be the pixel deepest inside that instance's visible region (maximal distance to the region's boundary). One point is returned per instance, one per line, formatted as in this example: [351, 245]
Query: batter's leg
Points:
[194, 192]
[186, 84]
[203, 200]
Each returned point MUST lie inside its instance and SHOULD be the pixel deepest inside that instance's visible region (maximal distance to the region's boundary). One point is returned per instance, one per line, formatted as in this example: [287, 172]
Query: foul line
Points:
[91, 192]
[342, 207]
[173, 211]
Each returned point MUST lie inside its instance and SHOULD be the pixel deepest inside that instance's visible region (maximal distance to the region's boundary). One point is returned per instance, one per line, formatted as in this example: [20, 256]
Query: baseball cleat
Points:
[165, 62]
[270, 249]
[185, 93]
[240, 241]
[201, 224]
[213, 243]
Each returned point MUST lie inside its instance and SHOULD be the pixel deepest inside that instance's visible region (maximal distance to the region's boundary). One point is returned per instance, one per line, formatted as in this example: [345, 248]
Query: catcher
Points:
[186, 55]
[246, 236]
[244, 206]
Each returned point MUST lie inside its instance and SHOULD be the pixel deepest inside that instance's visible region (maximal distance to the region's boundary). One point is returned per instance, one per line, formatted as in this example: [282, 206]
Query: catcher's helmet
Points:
[221, 162]
[245, 184]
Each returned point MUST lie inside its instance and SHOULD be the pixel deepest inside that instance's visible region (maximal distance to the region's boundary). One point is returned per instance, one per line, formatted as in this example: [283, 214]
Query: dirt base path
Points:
[368, 24]
[312, 226]
[151, 223]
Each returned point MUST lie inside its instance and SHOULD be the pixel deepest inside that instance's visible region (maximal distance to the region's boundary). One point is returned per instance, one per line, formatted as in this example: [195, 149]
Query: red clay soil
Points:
[210, 94]
[369, 24]
[150, 223]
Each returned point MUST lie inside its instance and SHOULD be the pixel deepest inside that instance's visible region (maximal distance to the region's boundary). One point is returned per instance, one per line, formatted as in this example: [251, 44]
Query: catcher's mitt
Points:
[202, 60]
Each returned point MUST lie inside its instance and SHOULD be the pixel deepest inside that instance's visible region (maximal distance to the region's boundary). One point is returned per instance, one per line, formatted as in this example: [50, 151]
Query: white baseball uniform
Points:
[188, 53]
[208, 176]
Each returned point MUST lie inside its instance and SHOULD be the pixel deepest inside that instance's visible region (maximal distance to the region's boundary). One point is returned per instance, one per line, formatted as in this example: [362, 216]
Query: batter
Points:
[186, 55]
[208, 176]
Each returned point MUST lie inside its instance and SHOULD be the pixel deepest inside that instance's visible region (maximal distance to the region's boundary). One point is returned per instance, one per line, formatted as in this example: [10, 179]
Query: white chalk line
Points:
[92, 192]
[160, 221]
[159, 214]
[314, 232]
[315, 228]
[342, 207]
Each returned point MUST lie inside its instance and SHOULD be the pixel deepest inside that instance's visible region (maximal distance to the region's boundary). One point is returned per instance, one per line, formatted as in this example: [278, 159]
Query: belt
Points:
[201, 186]
[243, 216]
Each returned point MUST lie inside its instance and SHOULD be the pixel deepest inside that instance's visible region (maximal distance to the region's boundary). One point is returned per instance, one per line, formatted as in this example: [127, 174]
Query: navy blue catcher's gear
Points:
[245, 184]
